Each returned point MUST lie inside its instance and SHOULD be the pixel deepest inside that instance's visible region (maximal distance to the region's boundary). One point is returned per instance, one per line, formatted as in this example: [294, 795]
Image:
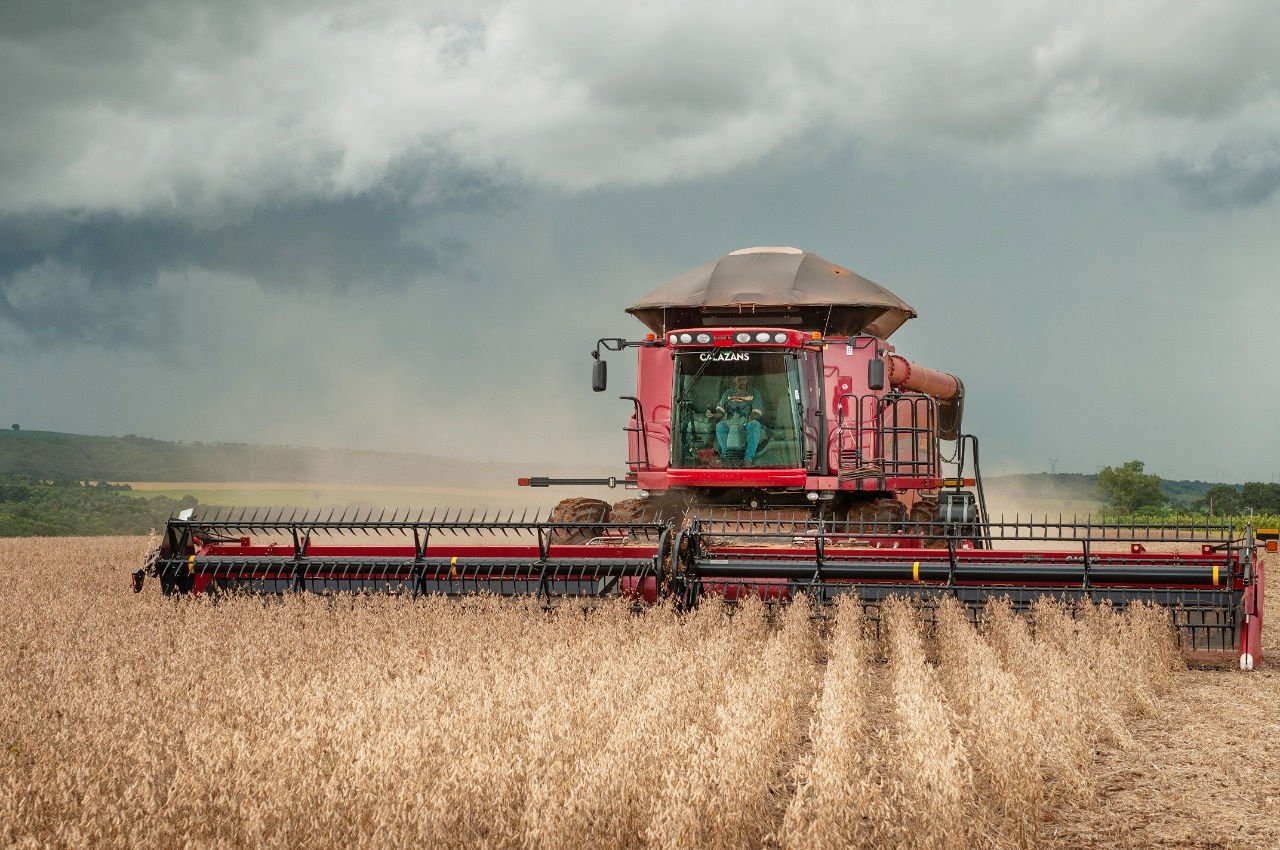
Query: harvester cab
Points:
[777, 446]
[752, 417]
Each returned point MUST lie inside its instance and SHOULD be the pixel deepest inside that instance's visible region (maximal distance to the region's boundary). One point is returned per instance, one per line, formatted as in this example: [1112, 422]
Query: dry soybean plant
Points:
[144, 721]
[839, 800]
[933, 777]
[996, 718]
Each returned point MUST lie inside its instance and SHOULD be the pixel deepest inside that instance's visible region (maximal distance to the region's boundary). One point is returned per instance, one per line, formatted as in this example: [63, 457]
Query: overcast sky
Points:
[403, 225]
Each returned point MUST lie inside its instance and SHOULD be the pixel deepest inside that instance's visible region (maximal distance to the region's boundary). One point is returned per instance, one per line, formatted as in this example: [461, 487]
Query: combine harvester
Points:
[777, 446]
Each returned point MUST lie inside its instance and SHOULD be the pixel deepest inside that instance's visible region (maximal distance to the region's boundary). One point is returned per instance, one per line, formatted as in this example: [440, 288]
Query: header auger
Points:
[777, 446]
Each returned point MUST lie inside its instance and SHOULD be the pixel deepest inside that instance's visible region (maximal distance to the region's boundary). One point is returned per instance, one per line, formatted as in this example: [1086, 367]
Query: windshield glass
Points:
[736, 407]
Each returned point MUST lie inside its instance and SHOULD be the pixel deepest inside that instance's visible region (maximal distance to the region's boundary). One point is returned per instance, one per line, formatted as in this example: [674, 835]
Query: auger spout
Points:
[947, 389]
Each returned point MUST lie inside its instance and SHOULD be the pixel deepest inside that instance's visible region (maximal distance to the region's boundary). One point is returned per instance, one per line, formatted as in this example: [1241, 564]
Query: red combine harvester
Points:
[777, 446]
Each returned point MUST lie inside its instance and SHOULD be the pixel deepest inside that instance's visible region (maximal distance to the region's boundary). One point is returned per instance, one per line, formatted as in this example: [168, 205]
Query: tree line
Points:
[32, 507]
[1129, 489]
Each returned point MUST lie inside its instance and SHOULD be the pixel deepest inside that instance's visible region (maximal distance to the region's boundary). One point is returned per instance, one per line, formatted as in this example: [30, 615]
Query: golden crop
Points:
[143, 721]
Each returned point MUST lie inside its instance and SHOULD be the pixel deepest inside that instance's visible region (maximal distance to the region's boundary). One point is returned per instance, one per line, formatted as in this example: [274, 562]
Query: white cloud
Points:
[206, 110]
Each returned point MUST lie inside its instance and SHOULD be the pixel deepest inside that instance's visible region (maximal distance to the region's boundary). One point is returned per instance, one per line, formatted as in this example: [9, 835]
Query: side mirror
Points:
[599, 376]
[875, 374]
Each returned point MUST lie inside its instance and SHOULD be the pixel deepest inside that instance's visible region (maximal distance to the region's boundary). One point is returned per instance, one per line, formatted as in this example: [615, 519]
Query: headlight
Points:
[686, 338]
[704, 338]
[674, 339]
[763, 336]
[742, 336]
[779, 337]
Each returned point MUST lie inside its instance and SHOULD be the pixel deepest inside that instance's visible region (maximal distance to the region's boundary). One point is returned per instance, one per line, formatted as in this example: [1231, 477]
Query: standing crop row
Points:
[137, 720]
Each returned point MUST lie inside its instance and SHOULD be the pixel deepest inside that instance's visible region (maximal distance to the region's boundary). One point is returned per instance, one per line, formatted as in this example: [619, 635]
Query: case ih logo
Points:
[724, 355]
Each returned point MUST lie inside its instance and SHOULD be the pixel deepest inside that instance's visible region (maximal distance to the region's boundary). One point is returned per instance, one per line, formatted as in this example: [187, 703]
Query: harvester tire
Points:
[878, 513]
[579, 510]
[925, 512]
[636, 510]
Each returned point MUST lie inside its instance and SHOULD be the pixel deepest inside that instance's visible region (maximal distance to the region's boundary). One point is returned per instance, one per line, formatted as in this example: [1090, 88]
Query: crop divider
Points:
[418, 573]
[544, 551]
[817, 585]
[1086, 564]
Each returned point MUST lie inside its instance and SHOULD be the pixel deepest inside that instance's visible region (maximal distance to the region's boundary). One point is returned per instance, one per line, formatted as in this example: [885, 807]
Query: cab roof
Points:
[775, 287]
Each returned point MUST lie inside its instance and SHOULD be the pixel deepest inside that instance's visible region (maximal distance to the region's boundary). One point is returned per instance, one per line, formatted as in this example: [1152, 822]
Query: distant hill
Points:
[77, 457]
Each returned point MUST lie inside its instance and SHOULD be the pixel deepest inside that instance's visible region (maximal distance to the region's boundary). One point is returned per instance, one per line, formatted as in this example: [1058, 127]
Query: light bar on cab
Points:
[729, 337]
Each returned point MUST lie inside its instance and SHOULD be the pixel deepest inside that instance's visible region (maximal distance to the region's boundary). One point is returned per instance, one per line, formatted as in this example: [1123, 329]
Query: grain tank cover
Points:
[774, 287]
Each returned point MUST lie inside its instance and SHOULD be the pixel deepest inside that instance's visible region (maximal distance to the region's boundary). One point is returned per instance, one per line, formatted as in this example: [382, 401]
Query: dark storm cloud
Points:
[105, 260]
[71, 277]
[92, 279]
[337, 245]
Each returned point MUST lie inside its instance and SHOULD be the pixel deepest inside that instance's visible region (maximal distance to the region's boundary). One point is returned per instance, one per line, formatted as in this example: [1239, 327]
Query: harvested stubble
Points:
[144, 721]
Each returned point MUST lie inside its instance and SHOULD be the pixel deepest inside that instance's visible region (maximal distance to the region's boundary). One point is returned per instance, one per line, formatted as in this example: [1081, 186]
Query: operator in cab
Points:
[741, 405]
